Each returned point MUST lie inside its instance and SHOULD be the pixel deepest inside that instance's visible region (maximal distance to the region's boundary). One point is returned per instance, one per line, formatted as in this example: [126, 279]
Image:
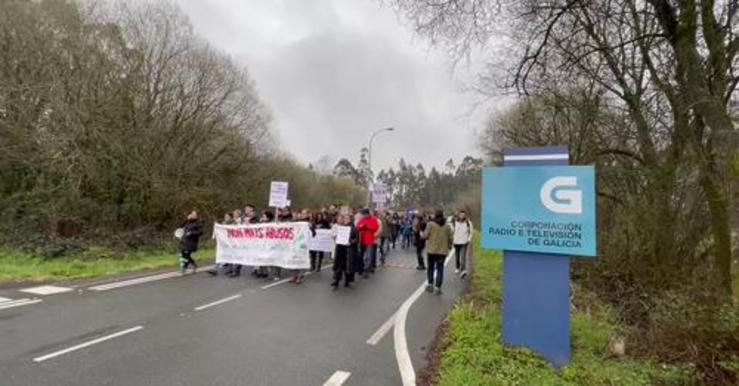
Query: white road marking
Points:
[3, 300]
[140, 280]
[18, 303]
[217, 302]
[338, 378]
[87, 344]
[46, 290]
[407, 373]
[382, 331]
[283, 281]
[405, 365]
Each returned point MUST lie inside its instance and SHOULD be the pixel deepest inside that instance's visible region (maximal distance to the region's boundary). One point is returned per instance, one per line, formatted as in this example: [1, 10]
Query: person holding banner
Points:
[263, 272]
[347, 239]
[248, 216]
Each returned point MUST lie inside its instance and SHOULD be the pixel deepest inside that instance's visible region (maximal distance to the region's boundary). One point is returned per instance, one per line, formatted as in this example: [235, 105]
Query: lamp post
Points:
[369, 162]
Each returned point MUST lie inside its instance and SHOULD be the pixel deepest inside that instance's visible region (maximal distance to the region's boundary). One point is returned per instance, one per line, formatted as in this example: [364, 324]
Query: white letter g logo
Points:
[569, 201]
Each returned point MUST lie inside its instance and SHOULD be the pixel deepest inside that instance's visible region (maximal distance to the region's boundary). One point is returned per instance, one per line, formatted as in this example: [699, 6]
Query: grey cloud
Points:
[332, 71]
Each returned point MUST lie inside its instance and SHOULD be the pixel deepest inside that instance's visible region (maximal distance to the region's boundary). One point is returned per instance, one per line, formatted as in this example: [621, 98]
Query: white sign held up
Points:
[378, 193]
[322, 241]
[278, 194]
[343, 233]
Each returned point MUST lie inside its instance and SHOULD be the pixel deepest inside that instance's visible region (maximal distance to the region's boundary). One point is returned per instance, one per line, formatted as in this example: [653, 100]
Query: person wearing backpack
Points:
[463, 232]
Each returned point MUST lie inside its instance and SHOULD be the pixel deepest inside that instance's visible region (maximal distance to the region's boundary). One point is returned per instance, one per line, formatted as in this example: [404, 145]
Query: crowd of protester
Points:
[373, 235]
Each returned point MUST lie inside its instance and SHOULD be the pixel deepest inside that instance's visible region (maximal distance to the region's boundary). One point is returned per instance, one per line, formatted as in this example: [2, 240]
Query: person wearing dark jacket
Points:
[419, 226]
[318, 221]
[192, 229]
[345, 259]
[394, 228]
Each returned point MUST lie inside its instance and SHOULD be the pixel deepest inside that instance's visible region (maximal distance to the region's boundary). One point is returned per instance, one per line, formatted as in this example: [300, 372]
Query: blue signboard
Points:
[547, 209]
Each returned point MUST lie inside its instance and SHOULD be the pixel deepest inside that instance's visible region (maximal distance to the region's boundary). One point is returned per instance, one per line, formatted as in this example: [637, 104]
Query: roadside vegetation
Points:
[117, 119]
[647, 93]
[473, 352]
[25, 267]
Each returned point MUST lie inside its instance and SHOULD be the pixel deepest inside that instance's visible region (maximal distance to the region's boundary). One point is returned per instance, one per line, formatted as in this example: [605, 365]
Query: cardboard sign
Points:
[343, 234]
[378, 193]
[278, 194]
[322, 241]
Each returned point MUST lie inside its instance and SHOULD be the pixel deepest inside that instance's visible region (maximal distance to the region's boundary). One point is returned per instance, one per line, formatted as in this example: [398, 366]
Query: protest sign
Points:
[278, 194]
[343, 233]
[378, 193]
[322, 241]
[282, 245]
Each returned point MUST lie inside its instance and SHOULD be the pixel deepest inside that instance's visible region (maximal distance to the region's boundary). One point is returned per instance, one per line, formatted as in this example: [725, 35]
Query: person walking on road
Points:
[440, 239]
[384, 233]
[192, 229]
[463, 232]
[394, 228]
[406, 230]
[248, 216]
[368, 228]
[344, 261]
[419, 226]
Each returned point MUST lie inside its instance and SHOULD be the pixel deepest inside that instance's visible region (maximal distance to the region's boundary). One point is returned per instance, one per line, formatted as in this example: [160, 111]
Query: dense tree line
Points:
[411, 185]
[115, 116]
[646, 91]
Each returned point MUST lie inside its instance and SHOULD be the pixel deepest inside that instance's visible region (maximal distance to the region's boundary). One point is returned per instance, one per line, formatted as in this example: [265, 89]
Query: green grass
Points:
[473, 353]
[18, 266]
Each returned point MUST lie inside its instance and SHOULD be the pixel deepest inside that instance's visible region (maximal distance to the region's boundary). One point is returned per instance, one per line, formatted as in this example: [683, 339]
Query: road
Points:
[201, 330]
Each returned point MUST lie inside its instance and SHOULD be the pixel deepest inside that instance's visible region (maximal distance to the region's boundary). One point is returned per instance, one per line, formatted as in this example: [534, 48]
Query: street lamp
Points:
[369, 162]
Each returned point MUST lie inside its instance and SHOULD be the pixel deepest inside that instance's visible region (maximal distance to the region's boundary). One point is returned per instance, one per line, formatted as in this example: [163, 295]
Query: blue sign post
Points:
[540, 212]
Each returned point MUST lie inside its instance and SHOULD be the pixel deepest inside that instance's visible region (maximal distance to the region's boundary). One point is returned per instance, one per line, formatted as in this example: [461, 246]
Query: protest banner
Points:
[278, 194]
[322, 241]
[282, 245]
[343, 233]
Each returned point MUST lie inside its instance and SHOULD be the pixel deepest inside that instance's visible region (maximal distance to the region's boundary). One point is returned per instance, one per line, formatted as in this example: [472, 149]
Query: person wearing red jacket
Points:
[368, 227]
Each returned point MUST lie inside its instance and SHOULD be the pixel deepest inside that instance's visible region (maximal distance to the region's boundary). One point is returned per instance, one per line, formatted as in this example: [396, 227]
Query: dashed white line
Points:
[3, 300]
[217, 302]
[46, 290]
[338, 378]
[283, 281]
[18, 303]
[86, 344]
[139, 280]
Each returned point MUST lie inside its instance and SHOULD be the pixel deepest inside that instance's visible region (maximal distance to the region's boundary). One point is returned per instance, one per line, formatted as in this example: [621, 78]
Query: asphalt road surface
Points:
[200, 330]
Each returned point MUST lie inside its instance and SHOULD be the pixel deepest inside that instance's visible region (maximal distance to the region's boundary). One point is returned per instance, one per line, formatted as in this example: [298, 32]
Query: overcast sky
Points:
[332, 71]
